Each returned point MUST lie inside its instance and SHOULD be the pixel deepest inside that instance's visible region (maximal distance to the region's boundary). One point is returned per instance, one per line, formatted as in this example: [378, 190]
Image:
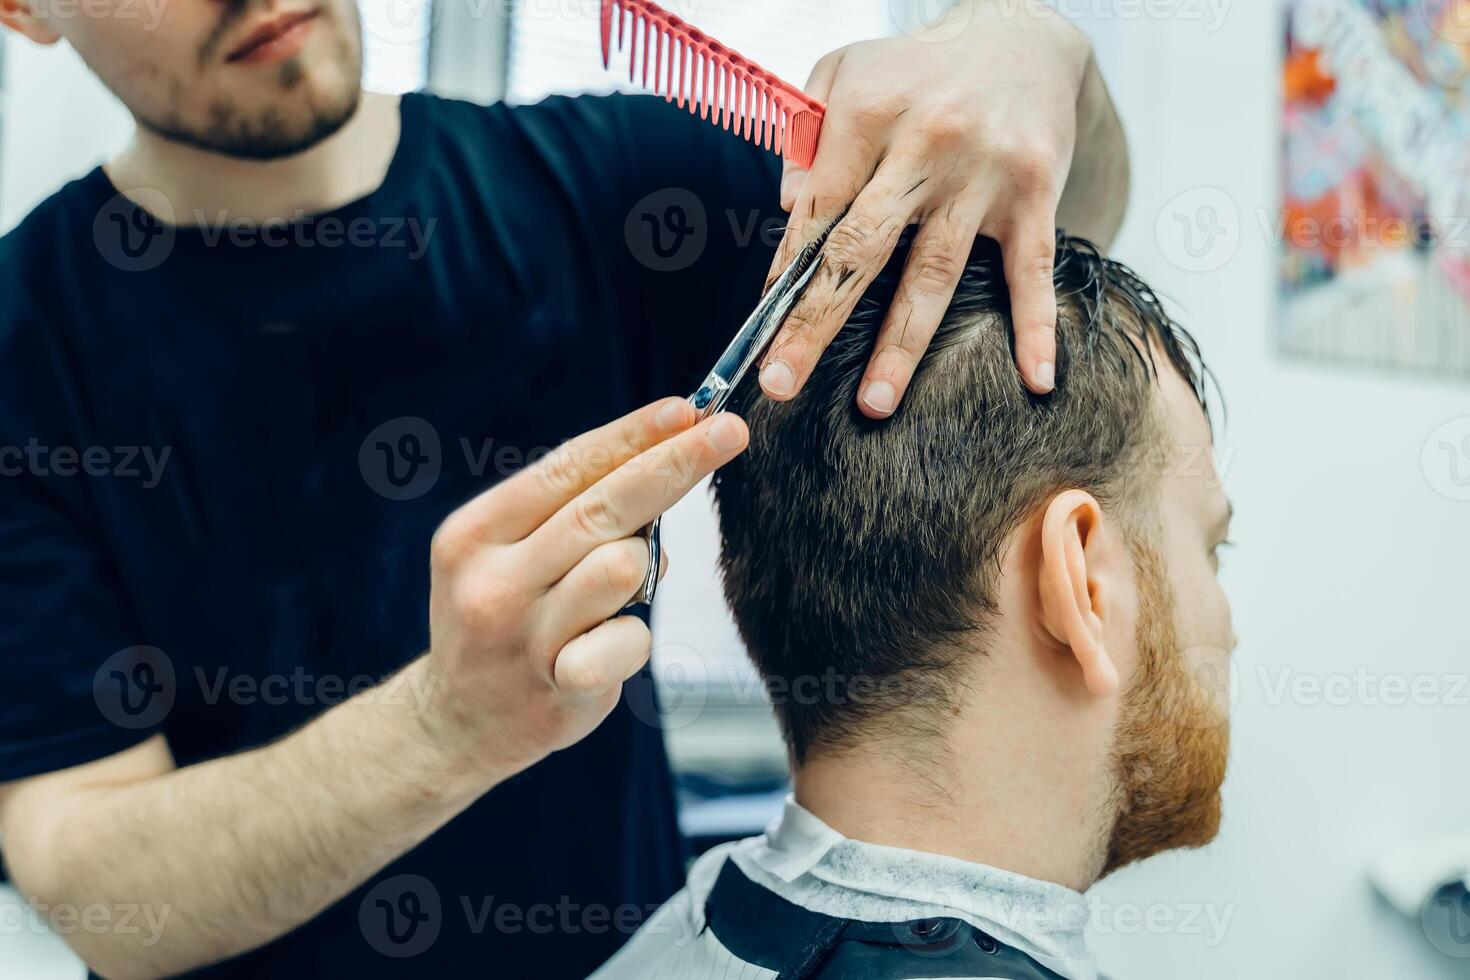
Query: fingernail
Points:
[726, 433]
[671, 416]
[778, 379]
[880, 397]
[1046, 375]
[791, 184]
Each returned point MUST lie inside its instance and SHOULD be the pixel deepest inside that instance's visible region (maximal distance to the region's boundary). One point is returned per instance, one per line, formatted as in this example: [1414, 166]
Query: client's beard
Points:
[1171, 743]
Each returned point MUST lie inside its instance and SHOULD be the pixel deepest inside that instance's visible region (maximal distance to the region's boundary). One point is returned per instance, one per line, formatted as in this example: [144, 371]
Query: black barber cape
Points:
[749, 931]
[223, 452]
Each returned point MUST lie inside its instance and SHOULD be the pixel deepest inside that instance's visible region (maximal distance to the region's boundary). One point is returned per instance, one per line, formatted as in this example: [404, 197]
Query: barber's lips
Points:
[275, 40]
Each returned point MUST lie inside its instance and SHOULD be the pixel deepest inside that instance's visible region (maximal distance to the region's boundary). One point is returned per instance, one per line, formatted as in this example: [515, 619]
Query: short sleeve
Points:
[64, 628]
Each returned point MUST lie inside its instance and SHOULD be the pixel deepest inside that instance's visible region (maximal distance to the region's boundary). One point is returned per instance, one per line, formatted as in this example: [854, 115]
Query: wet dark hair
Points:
[860, 556]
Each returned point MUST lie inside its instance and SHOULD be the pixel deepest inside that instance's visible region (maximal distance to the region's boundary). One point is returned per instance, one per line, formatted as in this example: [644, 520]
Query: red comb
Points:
[727, 89]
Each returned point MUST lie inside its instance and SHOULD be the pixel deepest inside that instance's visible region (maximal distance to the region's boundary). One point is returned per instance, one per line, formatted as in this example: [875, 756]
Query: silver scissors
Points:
[749, 343]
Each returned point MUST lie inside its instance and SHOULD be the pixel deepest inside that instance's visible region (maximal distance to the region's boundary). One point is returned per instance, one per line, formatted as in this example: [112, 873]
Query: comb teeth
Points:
[669, 57]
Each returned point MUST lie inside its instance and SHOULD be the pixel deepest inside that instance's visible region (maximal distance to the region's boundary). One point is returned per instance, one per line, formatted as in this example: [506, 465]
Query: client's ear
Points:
[19, 17]
[1077, 584]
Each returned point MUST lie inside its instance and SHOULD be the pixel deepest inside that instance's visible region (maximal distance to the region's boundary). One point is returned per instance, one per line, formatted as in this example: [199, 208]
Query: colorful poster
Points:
[1375, 224]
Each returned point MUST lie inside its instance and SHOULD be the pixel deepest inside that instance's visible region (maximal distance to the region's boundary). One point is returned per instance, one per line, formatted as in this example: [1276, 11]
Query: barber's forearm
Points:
[232, 853]
[1096, 193]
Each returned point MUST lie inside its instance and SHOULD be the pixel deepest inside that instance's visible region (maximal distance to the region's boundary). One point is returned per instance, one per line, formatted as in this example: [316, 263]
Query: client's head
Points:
[996, 608]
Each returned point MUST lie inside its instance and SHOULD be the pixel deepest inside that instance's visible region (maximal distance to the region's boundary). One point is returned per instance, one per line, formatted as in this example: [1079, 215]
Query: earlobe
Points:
[1073, 603]
[18, 16]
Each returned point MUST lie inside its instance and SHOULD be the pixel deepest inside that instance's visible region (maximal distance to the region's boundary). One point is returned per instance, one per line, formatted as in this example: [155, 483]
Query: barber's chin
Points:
[262, 131]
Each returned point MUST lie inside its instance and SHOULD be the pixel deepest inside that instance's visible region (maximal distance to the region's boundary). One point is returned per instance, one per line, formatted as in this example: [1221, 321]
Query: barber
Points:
[349, 329]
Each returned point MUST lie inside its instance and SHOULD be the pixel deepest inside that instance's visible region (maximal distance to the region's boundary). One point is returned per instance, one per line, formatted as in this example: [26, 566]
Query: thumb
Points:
[819, 87]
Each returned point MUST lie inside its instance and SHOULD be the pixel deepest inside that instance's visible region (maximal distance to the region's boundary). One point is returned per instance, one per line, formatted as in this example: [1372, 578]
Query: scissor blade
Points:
[759, 329]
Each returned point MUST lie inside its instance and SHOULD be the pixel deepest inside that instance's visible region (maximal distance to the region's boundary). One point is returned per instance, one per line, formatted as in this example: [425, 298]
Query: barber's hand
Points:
[967, 127]
[529, 653]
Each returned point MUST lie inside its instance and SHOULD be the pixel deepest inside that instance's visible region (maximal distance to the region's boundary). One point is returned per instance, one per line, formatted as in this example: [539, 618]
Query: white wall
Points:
[1347, 557]
[59, 123]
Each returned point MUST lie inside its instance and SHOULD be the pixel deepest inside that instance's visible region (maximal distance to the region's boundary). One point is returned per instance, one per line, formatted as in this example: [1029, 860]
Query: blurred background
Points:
[1258, 129]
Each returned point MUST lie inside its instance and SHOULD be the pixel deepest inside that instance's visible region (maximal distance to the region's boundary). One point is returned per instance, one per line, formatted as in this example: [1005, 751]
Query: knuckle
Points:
[851, 241]
[684, 463]
[578, 673]
[594, 515]
[622, 570]
[937, 266]
[483, 605]
[948, 123]
[449, 544]
[1032, 170]
[796, 331]
[1038, 266]
[558, 471]
[874, 109]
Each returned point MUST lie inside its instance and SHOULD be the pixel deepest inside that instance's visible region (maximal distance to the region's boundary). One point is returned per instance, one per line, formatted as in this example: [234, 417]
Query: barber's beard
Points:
[287, 112]
[1172, 742]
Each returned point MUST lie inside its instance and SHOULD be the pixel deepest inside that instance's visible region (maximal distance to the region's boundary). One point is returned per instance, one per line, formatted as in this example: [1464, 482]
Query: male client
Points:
[990, 627]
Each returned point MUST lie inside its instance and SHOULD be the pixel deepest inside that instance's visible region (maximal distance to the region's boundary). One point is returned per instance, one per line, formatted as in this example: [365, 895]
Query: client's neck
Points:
[1016, 798]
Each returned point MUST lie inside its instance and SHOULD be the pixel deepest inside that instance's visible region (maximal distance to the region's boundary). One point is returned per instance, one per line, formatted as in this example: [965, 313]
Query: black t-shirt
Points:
[223, 451]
